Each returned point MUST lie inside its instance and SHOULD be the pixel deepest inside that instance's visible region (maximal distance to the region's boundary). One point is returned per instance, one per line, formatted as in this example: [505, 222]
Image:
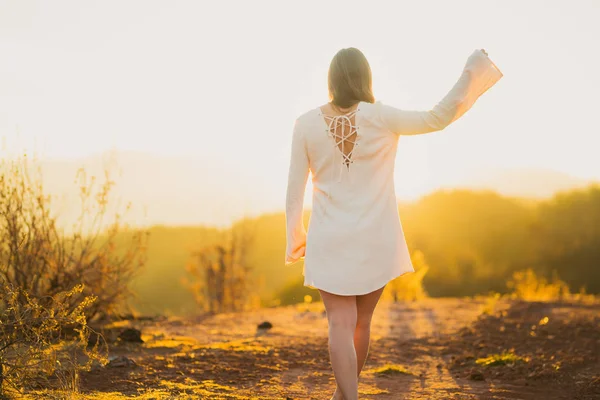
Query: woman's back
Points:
[351, 159]
[355, 242]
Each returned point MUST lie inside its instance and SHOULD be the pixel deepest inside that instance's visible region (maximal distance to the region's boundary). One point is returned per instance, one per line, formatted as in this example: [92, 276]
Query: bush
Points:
[408, 287]
[37, 257]
[526, 285]
[220, 274]
[41, 342]
[53, 283]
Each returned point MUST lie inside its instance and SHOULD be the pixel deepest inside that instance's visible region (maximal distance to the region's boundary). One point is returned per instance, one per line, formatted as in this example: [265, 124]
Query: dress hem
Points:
[378, 286]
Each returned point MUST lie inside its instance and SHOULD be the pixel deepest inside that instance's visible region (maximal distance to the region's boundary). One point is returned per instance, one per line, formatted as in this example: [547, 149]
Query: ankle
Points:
[337, 395]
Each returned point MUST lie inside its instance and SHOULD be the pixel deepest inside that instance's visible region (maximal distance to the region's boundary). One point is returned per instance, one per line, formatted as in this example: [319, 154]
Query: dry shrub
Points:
[220, 273]
[526, 285]
[45, 343]
[36, 255]
[409, 287]
[55, 280]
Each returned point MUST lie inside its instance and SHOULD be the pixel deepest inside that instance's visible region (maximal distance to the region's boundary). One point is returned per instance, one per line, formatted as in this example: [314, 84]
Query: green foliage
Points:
[409, 287]
[504, 358]
[294, 292]
[567, 237]
[472, 239]
[473, 242]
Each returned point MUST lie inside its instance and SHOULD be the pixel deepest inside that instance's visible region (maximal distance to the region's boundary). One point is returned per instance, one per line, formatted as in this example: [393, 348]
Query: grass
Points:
[243, 345]
[391, 370]
[175, 342]
[491, 302]
[168, 390]
[527, 285]
[505, 358]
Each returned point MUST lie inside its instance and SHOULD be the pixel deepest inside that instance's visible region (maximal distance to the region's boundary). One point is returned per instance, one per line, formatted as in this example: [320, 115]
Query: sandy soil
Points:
[437, 341]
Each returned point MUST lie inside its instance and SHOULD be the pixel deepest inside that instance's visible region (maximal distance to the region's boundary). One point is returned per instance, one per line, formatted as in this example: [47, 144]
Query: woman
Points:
[355, 243]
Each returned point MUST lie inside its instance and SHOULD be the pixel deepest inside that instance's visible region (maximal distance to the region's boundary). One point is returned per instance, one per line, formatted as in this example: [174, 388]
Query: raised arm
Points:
[479, 74]
[294, 203]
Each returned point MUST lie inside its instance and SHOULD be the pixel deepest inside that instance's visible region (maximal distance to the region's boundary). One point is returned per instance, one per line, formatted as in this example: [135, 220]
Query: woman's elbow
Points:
[441, 119]
[438, 121]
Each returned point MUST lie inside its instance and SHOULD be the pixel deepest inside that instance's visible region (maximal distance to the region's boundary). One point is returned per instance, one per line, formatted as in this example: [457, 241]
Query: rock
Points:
[131, 335]
[96, 338]
[476, 375]
[120, 362]
[96, 366]
[131, 317]
[265, 325]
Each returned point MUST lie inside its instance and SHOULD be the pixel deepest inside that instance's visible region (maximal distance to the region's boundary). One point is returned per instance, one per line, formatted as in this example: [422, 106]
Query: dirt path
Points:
[436, 341]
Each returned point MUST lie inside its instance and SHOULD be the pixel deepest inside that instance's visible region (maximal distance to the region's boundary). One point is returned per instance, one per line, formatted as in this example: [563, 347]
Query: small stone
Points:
[96, 366]
[265, 325]
[476, 375]
[131, 335]
[120, 362]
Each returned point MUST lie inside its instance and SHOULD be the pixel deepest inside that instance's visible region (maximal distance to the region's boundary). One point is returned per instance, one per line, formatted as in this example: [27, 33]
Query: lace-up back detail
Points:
[343, 130]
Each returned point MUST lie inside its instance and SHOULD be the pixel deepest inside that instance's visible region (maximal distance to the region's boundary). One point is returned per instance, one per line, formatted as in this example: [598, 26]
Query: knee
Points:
[341, 320]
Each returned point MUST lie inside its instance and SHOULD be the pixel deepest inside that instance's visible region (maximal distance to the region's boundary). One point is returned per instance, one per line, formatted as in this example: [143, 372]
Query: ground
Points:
[430, 349]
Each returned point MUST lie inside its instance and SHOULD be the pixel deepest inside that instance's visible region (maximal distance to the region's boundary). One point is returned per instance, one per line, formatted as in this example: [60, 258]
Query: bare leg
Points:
[365, 306]
[341, 315]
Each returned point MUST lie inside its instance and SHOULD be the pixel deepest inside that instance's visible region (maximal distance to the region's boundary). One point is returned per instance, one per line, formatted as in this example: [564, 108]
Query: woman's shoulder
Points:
[366, 107]
[308, 115]
[308, 120]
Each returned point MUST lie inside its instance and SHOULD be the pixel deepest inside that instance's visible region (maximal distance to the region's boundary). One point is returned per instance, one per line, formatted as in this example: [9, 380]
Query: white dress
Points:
[355, 243]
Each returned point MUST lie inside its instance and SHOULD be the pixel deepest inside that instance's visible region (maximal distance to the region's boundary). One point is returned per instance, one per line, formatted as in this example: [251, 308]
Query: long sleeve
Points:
[297, 178]
[479, 74]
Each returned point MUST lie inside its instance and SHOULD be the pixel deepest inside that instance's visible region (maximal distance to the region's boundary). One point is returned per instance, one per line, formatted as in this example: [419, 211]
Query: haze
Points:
[198, 98]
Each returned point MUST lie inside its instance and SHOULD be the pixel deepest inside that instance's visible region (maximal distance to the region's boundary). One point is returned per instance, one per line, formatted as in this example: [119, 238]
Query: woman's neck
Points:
[339, 110]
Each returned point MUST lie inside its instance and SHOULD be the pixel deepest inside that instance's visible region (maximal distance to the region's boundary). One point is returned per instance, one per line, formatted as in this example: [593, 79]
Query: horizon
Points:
[135, 177]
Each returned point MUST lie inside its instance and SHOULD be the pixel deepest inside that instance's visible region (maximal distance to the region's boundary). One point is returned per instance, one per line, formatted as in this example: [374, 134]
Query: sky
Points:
[221, 82]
